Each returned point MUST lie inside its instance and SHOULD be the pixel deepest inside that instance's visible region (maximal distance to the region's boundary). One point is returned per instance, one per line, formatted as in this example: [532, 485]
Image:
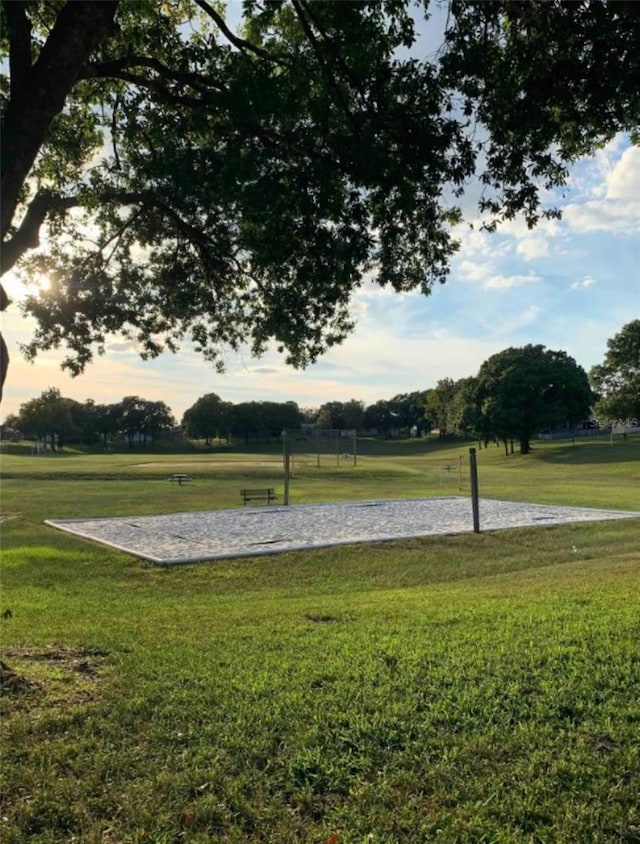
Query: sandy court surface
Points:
[249, 531]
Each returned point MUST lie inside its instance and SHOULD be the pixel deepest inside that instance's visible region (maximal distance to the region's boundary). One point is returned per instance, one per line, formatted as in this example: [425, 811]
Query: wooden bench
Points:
[180, 479]
[267, 495]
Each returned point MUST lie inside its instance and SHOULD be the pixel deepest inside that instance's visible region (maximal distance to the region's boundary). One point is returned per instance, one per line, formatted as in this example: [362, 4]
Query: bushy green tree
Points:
[380, 417]
[523, 390]
[50, 418]
[617, 380]
[308, 415]
[106, 421]
[438, 404]
[463, 413]
[141, 420]
[331, 415]
[235, 188]
[244, 420]
[410, 411]
[207, 418]
[263, 419]
[353, 414]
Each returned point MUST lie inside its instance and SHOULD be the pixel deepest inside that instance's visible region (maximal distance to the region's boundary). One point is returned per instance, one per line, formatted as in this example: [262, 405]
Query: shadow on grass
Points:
[622, 451]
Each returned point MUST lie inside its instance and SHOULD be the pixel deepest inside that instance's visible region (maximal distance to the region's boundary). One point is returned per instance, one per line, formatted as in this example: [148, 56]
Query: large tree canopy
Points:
[617, 380]
[207, 418]
[234, 186]
[521, 391]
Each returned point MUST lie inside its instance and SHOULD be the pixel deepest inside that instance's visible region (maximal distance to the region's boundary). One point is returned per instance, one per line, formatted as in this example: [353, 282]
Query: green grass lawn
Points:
[452, 689]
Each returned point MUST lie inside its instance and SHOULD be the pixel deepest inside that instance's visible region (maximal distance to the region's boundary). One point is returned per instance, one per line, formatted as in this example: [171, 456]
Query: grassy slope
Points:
[454, 689]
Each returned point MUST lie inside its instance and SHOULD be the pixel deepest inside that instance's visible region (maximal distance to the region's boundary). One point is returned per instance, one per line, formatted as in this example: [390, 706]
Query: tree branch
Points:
[79, 28]
[113, 69]
[158, 88]
[240, 43]
[149, 200]
[326, 70]
[335, 52]
[27, 236]
[114, 131]
[19, 27]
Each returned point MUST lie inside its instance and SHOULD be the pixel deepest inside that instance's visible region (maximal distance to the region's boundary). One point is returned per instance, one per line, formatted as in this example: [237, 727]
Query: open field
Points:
[588, 474]
[456, 689]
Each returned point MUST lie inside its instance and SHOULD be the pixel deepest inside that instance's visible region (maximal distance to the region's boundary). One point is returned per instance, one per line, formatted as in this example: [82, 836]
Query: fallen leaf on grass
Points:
[188, 819]
[602, 744]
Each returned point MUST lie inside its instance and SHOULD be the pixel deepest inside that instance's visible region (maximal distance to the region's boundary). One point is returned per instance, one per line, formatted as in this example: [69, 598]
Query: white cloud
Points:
[509, 323]
[587, 281]
[473, 271]
[606, 191]
[615, 216]
[623, 181]
[588, 180]
[518, 228]
[530, 243]
[503, 282]
[407, 361]
[473, 241]
[533, 247]
[606, 157]
[530, 315]
[122, 347]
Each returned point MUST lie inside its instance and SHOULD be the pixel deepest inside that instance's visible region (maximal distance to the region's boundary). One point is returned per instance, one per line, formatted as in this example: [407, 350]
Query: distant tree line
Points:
[57, 421]
[516, 394]
[212, 418]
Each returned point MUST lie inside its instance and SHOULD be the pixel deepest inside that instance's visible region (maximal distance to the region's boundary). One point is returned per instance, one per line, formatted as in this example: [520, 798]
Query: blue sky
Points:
[568, 284]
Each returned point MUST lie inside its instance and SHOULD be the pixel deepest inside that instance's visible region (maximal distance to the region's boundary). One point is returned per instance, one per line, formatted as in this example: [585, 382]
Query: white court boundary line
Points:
[188, 537]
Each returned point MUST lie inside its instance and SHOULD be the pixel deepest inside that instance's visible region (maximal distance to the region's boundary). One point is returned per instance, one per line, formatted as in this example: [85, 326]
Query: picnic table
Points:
[180, 478]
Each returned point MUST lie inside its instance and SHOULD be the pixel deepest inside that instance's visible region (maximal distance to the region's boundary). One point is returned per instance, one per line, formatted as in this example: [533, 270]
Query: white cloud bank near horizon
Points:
[568, 284]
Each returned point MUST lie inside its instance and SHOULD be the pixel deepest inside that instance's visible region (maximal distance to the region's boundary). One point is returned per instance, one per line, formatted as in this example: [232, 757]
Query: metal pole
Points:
[286, 478]
[355, 447]
[459, 472]
[473, 466]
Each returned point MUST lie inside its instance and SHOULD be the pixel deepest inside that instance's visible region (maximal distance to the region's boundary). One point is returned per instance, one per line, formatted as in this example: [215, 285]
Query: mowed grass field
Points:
[451, 689]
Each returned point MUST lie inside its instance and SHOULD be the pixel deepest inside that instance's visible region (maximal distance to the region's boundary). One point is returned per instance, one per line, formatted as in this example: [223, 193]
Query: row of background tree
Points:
[56, 420]
[516, 393]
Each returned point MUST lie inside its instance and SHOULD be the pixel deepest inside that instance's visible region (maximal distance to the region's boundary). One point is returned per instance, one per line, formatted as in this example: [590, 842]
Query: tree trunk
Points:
[525, 448]
[4, 360]
[38, 94]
